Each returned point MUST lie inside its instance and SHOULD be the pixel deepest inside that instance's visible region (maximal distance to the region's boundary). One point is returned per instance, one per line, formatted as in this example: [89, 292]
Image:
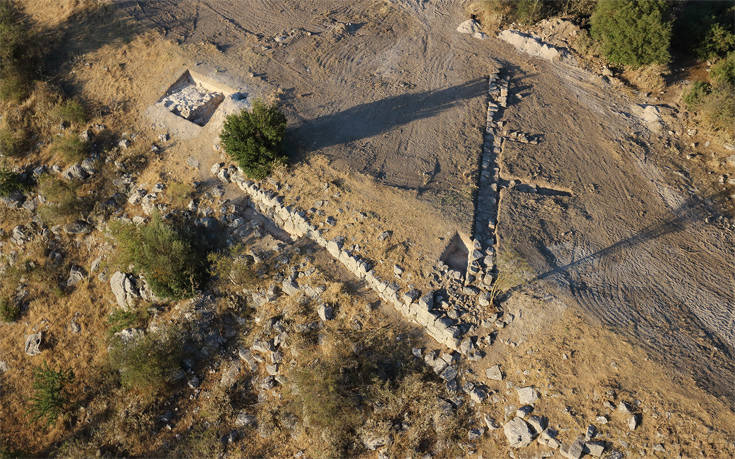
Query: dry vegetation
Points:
[344, 381]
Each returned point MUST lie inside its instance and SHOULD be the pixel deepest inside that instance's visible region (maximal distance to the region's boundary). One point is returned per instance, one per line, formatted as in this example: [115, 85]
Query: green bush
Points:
[165, 254]
[705, 28]
[120, 319]
[719, 109]
[9, 310]
[233, 268]
[723, 72]
[14, 86]
[15, 57]
[254, 138]
[695, 96]
[63, 200]
[11, 182]
[71, 147]
[146, 364]
[71, 111]
[50, 396]
[633, 32]
[13, 142]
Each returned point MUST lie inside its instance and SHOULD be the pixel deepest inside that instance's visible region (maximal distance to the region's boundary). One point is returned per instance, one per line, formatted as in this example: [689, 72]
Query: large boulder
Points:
[518, 433]
[125, 289]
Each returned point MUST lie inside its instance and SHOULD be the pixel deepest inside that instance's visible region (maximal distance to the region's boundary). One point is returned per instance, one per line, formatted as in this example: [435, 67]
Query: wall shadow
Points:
[369, 119]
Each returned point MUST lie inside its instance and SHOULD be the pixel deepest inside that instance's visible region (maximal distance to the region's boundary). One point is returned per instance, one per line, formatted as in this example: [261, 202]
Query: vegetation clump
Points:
[633, 32]
[15, 54]
[253, 139]
[147, 364]
[50, 393]
[71, 147]
[11, 182]
[164, 253]
[64, 201]
[9, 310]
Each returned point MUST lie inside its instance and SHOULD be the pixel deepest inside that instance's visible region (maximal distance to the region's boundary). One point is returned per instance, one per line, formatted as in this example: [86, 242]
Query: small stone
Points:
[244, 419]
[475, 434]
[590, 433]
[325, 312]
[193, 382]
[539, 423]
[623, 408]
[633, 422]
[548, 438]
[527, 395]
[524, 411]
[490, 422]
[573, 451]
[33, 343]
[595, 448]
[124, 144]
[74, 327]
[601, 420]
[493, 373]
[384, 235]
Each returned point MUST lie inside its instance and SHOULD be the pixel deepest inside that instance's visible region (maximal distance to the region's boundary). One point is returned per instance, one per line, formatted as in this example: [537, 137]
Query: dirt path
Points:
[392, 91]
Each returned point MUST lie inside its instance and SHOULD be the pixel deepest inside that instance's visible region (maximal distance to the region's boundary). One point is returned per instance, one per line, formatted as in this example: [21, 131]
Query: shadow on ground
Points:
[373, 118]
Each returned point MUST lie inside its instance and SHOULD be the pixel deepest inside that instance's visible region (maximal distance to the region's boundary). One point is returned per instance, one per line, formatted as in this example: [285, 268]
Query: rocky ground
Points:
[585, 201]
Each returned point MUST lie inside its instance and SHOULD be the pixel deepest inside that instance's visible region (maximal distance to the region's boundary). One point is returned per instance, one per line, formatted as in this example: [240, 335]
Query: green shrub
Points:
[63, 200]
[11, 182]
[14, 86]
[165, 254]
[723, 72]
[13, 142]
[233, 267]
[50, 396]
[705, 28]
[719, 109]
[15, 55]
[633, 32]
[146, 364]
[254, 138]
[695, 96]
[120, 319]
[179, 193]
[71, 147]
[71, 111]
[9, 310]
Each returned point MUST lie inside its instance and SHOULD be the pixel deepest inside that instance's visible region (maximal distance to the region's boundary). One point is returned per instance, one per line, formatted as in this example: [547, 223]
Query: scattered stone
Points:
[548, 438]
[124, 144]
[33, 343]
[325, 312]
[527, 395]
[475, 434]
[244, 419]
[633, 422]
[78, 227]
[384, 235]
[595, 448]
[539, 423]
[590, 433]
[76, 275]
[230, 374]
[518, 433]
[524, 411]
[490, 422]
[374, 441]
[193, 382]
[601, 420]
[493, 373]
[574, 450]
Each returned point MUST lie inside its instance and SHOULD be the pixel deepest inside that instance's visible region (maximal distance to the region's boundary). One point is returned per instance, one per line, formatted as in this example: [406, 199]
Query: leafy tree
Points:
[633, 32]
[254, 138]
[705, 28]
